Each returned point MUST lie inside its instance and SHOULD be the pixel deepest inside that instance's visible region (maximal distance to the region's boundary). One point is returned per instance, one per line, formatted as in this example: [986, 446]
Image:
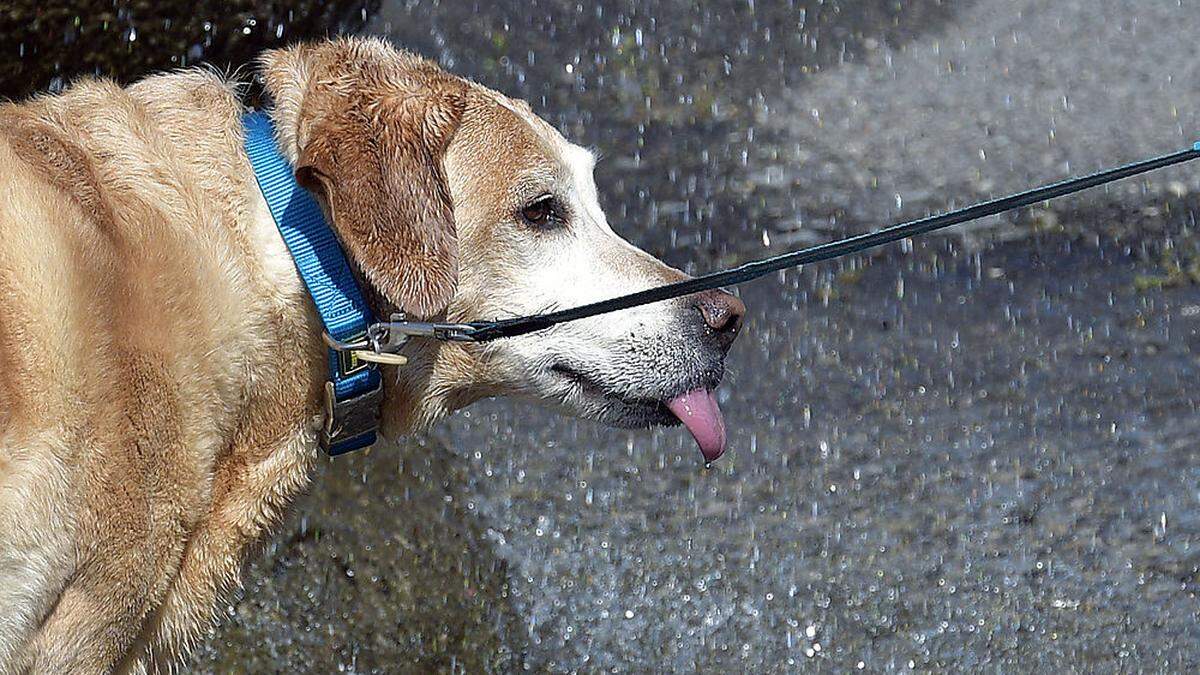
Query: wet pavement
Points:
[975, 452]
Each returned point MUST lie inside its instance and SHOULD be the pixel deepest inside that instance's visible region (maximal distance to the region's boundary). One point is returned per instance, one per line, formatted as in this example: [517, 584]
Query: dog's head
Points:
[456, 201]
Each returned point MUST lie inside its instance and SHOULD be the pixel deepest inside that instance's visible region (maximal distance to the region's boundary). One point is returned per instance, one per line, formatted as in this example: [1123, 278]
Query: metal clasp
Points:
[382, 342]
[447, 332]
[375, 346]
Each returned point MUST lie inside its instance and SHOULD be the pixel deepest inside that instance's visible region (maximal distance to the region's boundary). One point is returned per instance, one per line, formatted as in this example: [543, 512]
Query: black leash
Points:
[484, 331]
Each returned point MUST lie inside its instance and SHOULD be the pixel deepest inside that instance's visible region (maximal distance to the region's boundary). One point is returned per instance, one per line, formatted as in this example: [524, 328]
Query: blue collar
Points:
[353, 392]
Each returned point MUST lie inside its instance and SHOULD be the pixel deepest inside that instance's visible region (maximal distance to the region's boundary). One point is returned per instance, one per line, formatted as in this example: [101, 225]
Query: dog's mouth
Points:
[695, 407]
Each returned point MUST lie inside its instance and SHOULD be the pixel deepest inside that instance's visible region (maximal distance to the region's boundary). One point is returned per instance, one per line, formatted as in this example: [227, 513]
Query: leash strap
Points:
[484, 331]
[353, 392]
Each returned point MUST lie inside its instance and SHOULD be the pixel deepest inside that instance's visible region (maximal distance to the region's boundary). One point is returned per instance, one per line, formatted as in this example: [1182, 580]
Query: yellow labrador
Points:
[161, 365]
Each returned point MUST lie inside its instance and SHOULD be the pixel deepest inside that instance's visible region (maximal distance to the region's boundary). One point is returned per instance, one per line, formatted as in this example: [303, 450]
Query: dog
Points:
[162, 365]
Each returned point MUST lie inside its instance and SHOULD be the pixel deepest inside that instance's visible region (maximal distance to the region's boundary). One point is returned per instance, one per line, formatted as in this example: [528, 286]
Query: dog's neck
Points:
[422, 392]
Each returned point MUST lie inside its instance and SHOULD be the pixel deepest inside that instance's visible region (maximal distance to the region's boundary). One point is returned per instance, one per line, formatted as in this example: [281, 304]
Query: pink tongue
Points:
[699, 412]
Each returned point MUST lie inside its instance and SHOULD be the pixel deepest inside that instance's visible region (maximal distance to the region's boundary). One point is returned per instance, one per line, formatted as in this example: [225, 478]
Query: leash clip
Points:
[401, 328]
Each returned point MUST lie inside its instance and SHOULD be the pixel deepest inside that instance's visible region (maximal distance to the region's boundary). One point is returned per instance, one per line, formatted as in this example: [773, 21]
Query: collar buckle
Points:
[351, 422]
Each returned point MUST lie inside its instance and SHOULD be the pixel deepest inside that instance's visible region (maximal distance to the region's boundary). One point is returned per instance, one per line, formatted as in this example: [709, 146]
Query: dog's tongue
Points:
[699, 412]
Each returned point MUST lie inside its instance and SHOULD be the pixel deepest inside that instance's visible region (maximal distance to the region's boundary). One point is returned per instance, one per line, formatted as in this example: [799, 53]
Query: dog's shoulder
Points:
[129, 222]
[112, 150]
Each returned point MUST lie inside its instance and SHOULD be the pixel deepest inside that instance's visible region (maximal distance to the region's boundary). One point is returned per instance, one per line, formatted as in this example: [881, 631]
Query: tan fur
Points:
[160, 364]
[147, 384]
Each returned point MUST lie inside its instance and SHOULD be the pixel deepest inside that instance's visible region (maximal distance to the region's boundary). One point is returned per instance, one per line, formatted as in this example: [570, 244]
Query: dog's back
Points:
[140, 321]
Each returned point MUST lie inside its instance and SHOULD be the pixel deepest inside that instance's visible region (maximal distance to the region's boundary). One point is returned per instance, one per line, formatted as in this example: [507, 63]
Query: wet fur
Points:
[161, 368]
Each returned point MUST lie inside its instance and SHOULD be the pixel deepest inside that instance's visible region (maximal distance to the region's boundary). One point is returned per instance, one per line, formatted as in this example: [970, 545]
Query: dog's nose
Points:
[722, 313]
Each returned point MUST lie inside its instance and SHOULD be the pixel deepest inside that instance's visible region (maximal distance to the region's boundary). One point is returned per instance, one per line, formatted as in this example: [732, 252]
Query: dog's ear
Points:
[370, 136]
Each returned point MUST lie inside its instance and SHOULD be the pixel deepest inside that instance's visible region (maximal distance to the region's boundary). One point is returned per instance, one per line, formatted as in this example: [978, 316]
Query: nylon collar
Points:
[353, 391]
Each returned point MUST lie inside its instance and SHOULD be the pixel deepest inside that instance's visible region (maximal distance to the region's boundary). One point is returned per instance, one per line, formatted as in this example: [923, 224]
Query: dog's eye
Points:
[542, 212]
